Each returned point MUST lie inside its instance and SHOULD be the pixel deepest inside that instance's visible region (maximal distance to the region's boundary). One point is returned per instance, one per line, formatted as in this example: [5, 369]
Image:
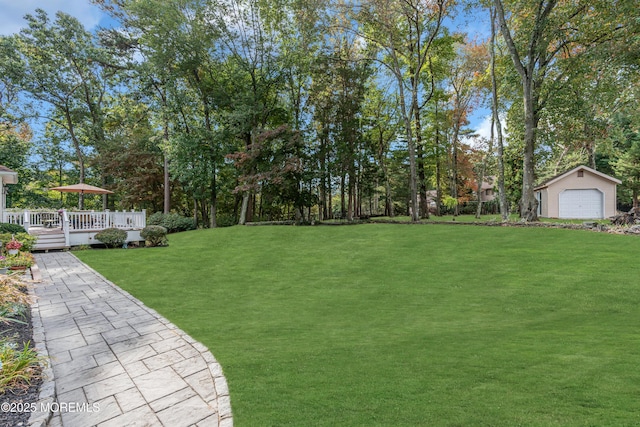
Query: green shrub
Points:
[226, 220]
[11, 228]
[27, 240]
[112, 237]
[173, 222]
[23, 259]
[80, 248]
[5, 238]
[154, 235]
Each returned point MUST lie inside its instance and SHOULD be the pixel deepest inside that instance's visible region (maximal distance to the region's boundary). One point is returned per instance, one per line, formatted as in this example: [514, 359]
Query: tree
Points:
[627, 166]
[59, 65]
[530, 63]
[380, 132]
[496, 122]
[464, 79]
[540, 37]
[405, 32]
[624, 142]
[178, 40]
[131, 158]
[275, 170]
[254, 64]
[15, 143]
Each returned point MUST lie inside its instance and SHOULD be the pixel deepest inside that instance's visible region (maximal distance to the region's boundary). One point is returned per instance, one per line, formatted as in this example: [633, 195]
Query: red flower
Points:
[13, 244]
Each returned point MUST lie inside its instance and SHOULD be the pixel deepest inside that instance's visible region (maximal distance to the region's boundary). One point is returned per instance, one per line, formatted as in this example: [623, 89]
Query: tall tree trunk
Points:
[329, 195]
[343, 212]
[528, 203]
[438, 164]
[407, 118]
[243, 209]
[105, 197]
[527, 71]
[213, 207]
[252, 207]
[167, 181]
[248, 142]
[590, 143]
[422, 178]
[195, 211]
[454, 156]
[502, 194]
[322, 209]
[351, 192]
[388, 204]
[413, 182]
[479, 182]
[204, 214]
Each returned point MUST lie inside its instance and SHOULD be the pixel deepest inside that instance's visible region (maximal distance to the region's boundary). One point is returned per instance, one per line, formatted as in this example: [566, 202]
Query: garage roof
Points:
[567, 173]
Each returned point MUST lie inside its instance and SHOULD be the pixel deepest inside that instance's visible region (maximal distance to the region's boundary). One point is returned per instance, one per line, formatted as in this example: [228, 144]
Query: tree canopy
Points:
[234, 111]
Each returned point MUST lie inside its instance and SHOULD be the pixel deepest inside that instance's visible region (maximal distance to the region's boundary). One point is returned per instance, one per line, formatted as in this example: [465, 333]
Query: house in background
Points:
[7, 176]
[487, 192]
[581, 193]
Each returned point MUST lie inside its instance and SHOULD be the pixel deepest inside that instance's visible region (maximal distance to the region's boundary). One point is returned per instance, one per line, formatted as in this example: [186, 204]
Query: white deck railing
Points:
[13, 217]
[106, 219]
[78, 221]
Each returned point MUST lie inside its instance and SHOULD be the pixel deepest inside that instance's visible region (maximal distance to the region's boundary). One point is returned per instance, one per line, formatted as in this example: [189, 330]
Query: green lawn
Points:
[409, 325]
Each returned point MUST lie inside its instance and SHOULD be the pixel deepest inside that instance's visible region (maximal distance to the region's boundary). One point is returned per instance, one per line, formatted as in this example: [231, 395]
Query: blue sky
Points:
[12, 14]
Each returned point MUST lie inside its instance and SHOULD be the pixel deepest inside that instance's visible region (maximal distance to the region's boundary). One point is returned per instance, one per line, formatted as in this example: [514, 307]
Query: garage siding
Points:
[581, 193]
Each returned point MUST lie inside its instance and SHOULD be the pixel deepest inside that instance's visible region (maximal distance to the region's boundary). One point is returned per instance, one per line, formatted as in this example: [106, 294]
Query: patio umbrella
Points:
[82, 189]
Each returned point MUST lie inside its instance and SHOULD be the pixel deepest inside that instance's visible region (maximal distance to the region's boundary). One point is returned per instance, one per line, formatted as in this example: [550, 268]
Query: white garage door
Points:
[585, 204]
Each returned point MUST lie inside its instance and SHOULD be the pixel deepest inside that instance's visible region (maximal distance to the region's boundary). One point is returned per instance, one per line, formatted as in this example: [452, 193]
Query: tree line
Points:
[234, 111]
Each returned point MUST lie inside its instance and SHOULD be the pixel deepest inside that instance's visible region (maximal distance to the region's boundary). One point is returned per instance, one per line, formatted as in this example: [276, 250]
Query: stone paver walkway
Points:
[118, 363]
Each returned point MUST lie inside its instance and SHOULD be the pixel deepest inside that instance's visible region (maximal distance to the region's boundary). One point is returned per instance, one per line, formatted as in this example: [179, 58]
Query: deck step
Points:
[50, 241]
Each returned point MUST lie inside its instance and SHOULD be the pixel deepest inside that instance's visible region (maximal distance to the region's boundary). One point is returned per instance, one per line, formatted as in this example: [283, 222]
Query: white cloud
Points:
[482, 129]
[12, 12]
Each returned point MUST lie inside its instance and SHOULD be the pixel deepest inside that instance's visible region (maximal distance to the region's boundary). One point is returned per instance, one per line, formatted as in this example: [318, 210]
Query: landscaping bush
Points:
[11, 228]
[173, 222]
[154, 235]
[112, 237]
[27, 240]
[5, 238]
[23, 259]
[226, 220]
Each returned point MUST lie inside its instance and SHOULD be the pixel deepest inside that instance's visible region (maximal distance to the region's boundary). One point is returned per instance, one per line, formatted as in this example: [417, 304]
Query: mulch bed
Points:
[19, 398]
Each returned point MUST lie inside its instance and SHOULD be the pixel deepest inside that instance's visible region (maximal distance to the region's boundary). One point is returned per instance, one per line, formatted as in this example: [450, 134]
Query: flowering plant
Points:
[13, 244]
[3, 262]
[23, 259]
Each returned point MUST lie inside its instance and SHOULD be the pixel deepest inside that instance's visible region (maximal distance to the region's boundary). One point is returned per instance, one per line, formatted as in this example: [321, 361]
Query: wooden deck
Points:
[64, 229]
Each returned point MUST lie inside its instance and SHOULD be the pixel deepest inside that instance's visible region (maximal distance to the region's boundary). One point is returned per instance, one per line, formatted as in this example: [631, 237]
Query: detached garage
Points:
[581, 193]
